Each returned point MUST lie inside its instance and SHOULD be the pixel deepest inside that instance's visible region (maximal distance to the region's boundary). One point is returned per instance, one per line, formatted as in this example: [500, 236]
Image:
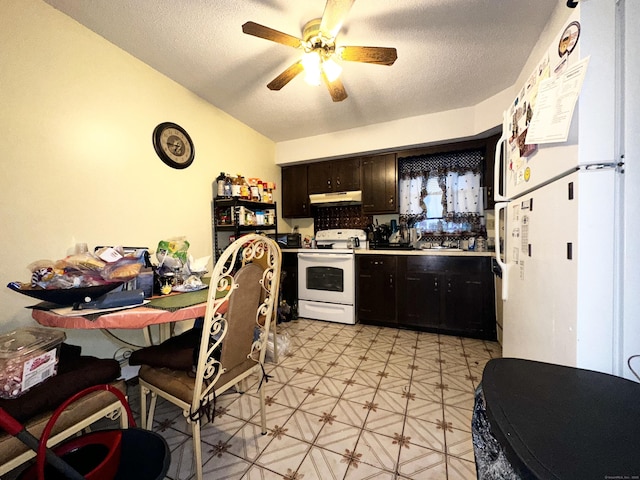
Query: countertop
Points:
[365, 251]
[446, 253]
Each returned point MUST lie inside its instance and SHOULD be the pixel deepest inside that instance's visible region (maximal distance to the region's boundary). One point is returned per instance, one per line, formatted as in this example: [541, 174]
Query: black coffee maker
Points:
[378, 236]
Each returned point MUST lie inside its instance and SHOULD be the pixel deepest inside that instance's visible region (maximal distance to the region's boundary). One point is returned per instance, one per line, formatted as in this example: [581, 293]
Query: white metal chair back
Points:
[242, 303]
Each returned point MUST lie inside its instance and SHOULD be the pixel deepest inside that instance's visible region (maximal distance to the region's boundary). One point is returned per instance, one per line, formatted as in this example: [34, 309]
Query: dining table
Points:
[161, 311]
[158, 311]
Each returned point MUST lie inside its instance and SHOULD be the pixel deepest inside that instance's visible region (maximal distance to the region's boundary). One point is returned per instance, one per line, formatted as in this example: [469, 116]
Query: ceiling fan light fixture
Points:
[331, 69]
[311, 62]
[318, 43]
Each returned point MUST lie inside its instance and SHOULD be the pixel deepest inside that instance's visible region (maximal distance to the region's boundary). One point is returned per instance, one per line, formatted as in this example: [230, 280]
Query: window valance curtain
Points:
[442, 191]
[441, 163]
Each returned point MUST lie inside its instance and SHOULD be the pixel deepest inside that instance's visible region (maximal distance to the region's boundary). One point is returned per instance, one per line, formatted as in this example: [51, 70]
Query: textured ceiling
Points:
[451, 54]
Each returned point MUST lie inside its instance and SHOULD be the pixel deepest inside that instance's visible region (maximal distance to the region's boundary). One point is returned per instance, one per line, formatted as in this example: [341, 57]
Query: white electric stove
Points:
[326, 276]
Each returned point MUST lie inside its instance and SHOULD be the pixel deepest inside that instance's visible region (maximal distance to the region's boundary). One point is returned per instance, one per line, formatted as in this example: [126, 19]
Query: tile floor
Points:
[345, 402]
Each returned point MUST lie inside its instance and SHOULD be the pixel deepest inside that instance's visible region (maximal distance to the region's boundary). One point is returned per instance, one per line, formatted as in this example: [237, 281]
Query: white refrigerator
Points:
[560, 212]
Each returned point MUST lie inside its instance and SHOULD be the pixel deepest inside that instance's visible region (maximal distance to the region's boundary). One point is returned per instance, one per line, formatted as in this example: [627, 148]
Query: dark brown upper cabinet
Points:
[334, 176]
[489, 161]
[379, 184]
[295, 199]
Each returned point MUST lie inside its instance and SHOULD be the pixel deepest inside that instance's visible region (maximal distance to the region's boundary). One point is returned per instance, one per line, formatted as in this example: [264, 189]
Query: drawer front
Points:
[377, 263]
[444, 264]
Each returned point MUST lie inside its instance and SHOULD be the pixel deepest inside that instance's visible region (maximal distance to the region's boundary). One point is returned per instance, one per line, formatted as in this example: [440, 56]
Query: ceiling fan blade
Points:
[335, 13]
[285, 77]
[336, 89]
[257, 30]
[377, 55]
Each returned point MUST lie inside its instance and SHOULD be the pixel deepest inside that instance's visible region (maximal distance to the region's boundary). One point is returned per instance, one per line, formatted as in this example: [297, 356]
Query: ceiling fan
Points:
[320, 51]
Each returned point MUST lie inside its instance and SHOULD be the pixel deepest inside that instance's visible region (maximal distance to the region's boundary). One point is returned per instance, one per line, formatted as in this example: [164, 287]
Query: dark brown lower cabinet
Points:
[419, 300]
[446, 294]
[376, 288]
[469, 305]
[289, 278]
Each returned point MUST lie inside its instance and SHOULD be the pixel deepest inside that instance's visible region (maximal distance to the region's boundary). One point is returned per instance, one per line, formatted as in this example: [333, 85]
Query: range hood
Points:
[337, 198]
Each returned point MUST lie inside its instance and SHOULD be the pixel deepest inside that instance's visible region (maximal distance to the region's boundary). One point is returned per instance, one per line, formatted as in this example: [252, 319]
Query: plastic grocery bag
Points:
[284, 345]
[172, 253]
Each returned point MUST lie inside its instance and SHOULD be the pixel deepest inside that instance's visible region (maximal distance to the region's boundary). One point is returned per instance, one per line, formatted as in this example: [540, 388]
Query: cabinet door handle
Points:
[391, 201]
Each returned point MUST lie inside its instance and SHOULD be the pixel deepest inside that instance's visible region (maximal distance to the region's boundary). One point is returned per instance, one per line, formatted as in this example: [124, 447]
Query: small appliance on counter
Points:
[290, 240]
[378, 236]
[393, 237]
[404, 238]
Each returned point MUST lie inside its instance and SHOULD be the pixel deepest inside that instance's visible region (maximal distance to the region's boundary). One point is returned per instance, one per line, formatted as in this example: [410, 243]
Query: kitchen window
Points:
[441, 193]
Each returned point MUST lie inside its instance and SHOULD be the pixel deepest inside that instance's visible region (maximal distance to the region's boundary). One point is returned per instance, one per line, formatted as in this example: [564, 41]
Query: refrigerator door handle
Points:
[497, 194]
[503, 266]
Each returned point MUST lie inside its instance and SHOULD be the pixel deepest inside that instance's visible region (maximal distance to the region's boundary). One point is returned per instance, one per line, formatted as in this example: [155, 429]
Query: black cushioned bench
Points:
[546, 421]
[34, 408]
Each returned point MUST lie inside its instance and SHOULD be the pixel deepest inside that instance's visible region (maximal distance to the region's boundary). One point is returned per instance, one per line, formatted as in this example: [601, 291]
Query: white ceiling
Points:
[451, 54]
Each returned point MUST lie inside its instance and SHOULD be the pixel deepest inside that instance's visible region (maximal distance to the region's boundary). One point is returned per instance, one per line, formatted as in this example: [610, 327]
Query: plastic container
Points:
[481, 244]
[270, 217]
[28, 356]
[472, 243]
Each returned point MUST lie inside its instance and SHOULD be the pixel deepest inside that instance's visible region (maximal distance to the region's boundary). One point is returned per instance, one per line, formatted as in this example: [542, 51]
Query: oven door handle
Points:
[327, 256]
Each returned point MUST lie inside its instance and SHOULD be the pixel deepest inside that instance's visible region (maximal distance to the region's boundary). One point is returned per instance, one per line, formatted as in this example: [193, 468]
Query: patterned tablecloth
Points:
[164, 309]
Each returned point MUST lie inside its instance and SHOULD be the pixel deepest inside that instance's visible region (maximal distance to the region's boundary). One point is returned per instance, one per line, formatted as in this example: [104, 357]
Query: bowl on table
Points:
[64, 296]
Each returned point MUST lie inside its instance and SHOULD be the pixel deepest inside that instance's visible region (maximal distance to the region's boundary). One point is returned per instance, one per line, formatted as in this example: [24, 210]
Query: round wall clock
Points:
[173, 145]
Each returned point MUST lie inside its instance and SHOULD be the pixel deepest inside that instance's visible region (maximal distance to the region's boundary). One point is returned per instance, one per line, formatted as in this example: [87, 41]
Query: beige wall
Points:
[78, 165]
[405, 133]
